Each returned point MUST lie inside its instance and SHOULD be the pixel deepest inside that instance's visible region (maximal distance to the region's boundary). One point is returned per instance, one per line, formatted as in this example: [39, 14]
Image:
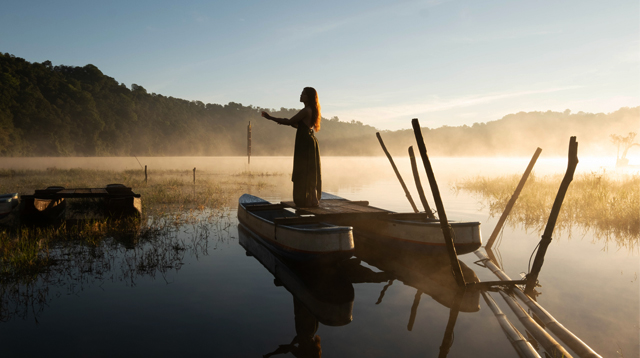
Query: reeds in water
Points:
[603, 202]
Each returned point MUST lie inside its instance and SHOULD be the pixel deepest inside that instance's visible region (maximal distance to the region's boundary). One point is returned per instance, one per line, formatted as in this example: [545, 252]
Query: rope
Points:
[530, 257]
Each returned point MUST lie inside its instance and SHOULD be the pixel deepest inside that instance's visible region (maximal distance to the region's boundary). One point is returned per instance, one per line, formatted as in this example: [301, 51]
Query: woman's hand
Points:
[266, 115]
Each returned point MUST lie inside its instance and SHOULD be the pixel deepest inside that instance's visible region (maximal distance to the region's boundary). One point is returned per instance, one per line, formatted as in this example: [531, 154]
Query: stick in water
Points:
[416, 177]
[444, 224]
[404, 187]
[513, 199]
[532, 277]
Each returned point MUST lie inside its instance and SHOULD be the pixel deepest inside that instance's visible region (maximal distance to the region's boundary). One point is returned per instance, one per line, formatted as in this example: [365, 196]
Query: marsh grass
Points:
[170, 200]
[118, 255]
[178, 218]
[605, 203]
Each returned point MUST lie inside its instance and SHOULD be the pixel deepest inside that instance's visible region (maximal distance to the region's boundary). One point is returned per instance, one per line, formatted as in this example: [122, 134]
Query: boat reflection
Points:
[321, 294]
[428, 273]
[320, 288]
[324, 293]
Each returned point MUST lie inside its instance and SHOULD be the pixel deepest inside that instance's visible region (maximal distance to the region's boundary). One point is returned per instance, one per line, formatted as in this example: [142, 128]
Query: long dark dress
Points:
[307, 180]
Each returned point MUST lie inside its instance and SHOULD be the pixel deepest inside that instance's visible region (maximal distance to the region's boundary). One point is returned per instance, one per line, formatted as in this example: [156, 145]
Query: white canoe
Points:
[297, 241]
[414, 231]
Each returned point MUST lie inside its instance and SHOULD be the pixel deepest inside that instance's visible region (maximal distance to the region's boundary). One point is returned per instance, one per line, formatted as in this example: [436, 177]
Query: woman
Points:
[307, 183]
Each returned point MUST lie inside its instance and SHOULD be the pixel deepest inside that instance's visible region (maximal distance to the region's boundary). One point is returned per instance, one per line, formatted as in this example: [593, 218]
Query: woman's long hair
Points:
[312, 97]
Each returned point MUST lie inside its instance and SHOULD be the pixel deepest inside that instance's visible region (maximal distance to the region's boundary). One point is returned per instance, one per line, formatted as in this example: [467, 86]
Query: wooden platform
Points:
[85, 193]
[338, 207]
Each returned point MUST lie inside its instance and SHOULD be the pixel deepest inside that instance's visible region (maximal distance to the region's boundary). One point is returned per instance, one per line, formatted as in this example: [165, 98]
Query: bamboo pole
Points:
[416, 177]
[532, 277]
[395, 169]
[553, 348]
[194, 176]
[249, 143]
[145, 174]
[521, 345]
[513, 199]
[444, 224]
[572, 341]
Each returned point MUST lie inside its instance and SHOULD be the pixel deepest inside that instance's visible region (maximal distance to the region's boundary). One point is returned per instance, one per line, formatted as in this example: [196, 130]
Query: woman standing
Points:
[307, 180]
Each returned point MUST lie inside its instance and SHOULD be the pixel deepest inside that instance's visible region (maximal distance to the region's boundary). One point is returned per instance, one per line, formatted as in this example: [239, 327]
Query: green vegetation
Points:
[598, 201]
[48, 110]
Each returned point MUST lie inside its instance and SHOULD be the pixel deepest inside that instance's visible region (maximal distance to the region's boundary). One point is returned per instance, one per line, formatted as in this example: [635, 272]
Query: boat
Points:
[293, 236]
[8, 204]
[320, 287]
[412, 231]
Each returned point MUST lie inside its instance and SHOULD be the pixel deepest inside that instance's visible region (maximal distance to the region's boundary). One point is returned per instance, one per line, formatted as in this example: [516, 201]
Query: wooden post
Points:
[194, 176]
[395, 169]
[513, 199]
[249, 143]
[532, 277]
[145, 174]
[416, 177]
[444, 224]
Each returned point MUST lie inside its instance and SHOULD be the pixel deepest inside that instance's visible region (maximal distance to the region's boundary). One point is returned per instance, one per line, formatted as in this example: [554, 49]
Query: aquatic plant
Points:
[603, 202]
[170, 201]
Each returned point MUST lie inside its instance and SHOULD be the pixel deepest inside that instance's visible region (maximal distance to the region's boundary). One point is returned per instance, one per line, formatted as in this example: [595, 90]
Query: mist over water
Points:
[226, 300]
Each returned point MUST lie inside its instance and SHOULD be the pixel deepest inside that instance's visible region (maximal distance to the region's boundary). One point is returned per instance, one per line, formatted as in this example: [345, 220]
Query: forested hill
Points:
[48, 110]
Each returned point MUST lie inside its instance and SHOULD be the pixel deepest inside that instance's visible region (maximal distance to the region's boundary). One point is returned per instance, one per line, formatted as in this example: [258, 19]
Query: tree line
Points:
[48, 110]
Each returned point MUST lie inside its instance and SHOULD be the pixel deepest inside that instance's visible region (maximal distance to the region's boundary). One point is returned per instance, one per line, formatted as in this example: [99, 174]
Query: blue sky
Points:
[378, 62]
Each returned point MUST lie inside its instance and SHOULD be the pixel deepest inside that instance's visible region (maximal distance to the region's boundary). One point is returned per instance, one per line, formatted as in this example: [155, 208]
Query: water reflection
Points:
[427, 273]
[325, 294]
[124, 256]
[321, 294]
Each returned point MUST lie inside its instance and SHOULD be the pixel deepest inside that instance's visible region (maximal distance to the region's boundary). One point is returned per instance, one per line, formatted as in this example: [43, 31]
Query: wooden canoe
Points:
[415, 231]
[295, 240]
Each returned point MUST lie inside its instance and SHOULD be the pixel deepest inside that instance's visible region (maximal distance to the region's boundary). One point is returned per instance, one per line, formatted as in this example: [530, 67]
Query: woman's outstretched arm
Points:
[293, 121]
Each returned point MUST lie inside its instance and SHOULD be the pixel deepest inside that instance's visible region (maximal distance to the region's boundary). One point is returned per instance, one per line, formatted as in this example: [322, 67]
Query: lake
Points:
[216, 295]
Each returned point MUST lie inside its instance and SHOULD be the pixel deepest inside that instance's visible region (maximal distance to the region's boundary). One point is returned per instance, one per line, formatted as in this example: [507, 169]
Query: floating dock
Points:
[50, 203]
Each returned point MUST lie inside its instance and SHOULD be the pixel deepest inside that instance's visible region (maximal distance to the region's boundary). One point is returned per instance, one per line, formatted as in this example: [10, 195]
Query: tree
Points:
[626, 143]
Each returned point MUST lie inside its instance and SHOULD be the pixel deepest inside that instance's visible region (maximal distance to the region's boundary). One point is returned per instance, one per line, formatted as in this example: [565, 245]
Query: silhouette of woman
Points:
[306, 344]
[307, 180]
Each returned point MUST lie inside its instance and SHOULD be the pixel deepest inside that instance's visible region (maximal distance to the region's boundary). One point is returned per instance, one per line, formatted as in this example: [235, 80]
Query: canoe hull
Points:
[418, 234]
[316, 241]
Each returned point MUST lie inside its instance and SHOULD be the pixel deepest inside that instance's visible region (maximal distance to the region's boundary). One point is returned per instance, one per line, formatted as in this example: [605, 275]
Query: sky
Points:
[378, 62]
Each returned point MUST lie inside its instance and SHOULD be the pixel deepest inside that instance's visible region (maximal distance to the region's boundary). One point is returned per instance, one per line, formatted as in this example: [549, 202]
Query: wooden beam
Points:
[260, 207]
[416, 178]
[513, 199]
[444, 224]
[532, 277]
[296, 220]
[395, 169]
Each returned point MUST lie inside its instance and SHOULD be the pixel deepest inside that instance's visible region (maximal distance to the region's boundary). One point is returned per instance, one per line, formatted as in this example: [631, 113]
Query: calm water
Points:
[223, 295]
